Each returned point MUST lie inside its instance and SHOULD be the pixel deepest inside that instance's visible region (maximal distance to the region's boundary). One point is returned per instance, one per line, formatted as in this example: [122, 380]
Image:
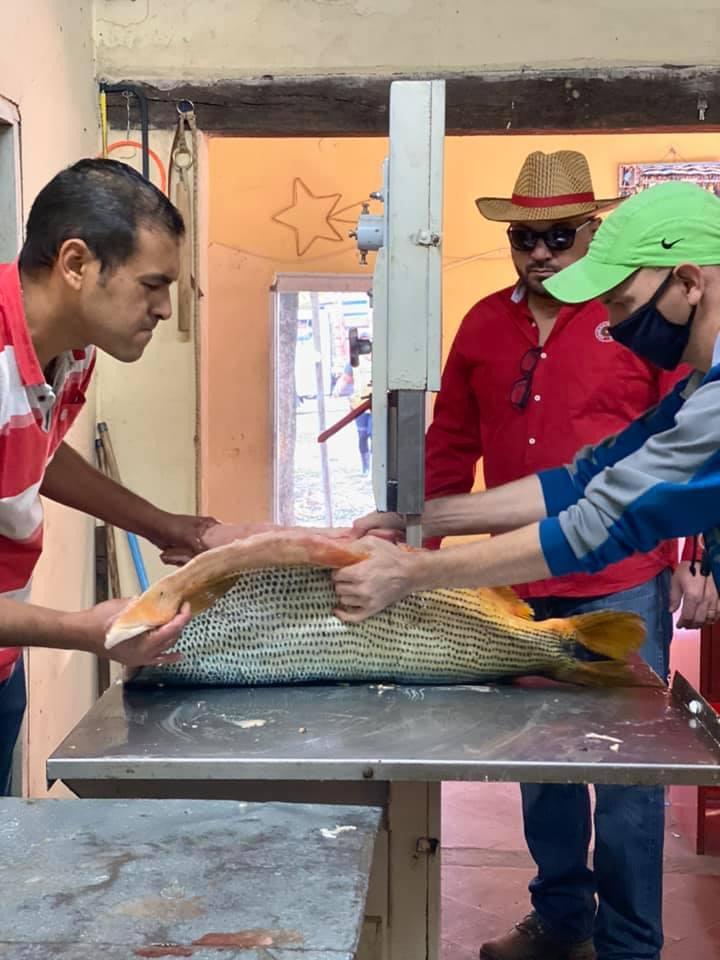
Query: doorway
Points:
[10, 196]
[315, 386]
[10, 240]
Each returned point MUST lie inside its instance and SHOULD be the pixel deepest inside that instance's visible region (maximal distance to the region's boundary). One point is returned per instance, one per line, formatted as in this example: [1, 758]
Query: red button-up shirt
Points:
[585, 387]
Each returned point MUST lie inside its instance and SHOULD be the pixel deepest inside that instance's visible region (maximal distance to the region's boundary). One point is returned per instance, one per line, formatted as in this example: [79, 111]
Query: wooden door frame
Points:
[670, 97]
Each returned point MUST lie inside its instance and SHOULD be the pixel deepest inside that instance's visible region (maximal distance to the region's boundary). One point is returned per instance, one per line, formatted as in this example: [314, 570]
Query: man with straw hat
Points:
[527, 383]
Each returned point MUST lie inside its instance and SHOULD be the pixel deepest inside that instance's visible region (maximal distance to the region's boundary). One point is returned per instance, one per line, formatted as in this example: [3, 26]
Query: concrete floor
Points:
[486, 869]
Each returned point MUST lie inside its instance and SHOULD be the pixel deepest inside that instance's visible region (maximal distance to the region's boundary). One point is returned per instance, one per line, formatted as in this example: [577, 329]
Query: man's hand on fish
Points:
[388, 575]
[389, 526]
[509, 507]
[220, 534]
[224, 533]
[182, 536]
[695, 596]
[147, 649]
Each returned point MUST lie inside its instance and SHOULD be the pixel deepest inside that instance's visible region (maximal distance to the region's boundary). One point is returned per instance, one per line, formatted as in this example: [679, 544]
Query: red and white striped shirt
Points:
[34, 418]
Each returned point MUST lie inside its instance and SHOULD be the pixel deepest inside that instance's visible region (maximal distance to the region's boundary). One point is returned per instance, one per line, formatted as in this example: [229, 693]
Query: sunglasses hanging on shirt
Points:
[557, 238]
[521, 389]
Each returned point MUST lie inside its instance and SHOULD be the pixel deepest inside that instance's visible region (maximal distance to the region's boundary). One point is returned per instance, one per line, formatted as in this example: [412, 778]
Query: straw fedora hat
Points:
[550, 186]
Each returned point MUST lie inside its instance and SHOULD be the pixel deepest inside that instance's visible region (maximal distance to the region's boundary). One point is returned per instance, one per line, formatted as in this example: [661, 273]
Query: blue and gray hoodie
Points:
[656, 480]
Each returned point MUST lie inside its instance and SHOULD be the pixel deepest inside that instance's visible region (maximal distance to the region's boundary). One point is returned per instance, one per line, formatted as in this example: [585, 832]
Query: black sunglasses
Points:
[521, 389]
[556, 238]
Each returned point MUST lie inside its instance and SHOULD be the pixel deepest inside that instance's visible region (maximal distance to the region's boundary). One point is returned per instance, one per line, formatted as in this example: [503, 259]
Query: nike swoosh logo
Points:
[668, 246]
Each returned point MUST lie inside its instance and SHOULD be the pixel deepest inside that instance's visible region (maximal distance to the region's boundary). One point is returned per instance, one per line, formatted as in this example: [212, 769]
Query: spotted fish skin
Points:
[276, 626]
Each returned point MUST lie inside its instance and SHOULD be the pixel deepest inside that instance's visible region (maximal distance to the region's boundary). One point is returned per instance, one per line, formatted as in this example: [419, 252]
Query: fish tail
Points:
[605, 673]
[608, 633]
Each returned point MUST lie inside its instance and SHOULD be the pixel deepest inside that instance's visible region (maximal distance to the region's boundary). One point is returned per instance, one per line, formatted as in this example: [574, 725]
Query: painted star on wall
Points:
[309, 216]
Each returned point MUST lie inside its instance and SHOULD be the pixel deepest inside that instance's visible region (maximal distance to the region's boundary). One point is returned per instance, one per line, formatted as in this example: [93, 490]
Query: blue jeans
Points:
[12, 709]
[626, 920]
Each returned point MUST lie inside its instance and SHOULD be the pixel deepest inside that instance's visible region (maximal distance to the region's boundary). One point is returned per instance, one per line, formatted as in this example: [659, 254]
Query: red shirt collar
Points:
[521, 310]
[11, 299]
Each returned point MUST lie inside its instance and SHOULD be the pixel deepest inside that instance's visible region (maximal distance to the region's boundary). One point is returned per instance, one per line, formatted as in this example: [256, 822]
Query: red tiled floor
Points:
[486, 869]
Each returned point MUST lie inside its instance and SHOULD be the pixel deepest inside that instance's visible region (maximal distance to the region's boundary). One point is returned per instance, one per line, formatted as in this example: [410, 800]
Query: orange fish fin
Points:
[204, 599]
[508, 602]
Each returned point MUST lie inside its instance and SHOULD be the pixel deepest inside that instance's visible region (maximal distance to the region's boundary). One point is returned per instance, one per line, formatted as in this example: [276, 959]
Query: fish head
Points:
[153, 609]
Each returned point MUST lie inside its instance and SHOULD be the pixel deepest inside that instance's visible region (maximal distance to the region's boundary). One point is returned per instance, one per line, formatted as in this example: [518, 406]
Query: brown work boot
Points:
[529, 940]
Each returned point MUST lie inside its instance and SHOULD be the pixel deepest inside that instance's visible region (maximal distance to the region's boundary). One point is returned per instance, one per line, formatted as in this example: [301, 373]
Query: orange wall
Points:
[252, 180]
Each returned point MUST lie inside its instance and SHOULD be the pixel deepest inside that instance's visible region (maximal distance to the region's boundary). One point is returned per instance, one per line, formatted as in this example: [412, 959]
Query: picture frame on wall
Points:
[634, 177]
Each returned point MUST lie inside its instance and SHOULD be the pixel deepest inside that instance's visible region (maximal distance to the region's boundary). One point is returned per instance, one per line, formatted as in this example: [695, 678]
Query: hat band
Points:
[560, 201]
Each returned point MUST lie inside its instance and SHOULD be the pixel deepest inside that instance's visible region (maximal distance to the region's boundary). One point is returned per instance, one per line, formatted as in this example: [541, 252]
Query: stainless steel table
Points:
[386, 745]
[175, 878]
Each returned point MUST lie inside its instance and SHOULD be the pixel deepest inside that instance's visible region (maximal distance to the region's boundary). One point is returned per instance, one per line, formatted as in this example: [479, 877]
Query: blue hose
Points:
[138, 562]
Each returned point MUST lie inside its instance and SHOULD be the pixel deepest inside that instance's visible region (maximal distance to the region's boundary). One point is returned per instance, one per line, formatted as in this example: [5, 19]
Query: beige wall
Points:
[226, 38]
[46, 68]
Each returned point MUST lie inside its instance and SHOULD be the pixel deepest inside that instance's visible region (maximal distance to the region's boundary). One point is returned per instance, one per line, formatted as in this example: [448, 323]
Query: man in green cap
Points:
[655, 262]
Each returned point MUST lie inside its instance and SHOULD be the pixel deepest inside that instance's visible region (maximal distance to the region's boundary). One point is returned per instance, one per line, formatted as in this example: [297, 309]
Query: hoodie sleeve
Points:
[564, 486]
[664, 487]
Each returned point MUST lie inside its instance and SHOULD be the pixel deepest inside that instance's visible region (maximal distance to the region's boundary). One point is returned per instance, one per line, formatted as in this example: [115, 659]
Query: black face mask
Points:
[651, 336]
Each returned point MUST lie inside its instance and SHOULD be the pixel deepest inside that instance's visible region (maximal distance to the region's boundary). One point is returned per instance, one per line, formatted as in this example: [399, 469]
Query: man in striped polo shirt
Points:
[101, 252]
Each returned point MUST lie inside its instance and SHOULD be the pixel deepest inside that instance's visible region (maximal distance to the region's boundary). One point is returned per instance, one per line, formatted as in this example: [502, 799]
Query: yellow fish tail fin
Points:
[609, 633]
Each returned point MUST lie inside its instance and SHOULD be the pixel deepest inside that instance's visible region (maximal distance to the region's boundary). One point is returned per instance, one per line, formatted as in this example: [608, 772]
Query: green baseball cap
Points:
[671, 223]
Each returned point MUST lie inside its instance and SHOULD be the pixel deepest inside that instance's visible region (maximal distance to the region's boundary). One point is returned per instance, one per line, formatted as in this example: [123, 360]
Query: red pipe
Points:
[348, 418]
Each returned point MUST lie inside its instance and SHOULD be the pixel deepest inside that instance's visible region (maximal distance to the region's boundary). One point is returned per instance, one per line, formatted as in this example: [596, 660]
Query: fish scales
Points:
[276, 625]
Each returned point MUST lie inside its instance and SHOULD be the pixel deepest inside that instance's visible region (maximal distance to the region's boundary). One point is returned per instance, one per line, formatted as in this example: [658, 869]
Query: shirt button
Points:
[543, 356]
[531, 441]
[537, 396]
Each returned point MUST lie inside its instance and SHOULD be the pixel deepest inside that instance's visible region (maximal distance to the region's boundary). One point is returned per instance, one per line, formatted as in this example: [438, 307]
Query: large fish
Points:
[264, 615]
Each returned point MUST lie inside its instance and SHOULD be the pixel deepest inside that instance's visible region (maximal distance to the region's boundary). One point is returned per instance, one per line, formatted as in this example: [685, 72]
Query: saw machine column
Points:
[407, 295]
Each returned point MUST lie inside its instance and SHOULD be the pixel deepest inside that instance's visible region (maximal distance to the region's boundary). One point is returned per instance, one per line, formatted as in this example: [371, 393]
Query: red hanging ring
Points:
[151, 153]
